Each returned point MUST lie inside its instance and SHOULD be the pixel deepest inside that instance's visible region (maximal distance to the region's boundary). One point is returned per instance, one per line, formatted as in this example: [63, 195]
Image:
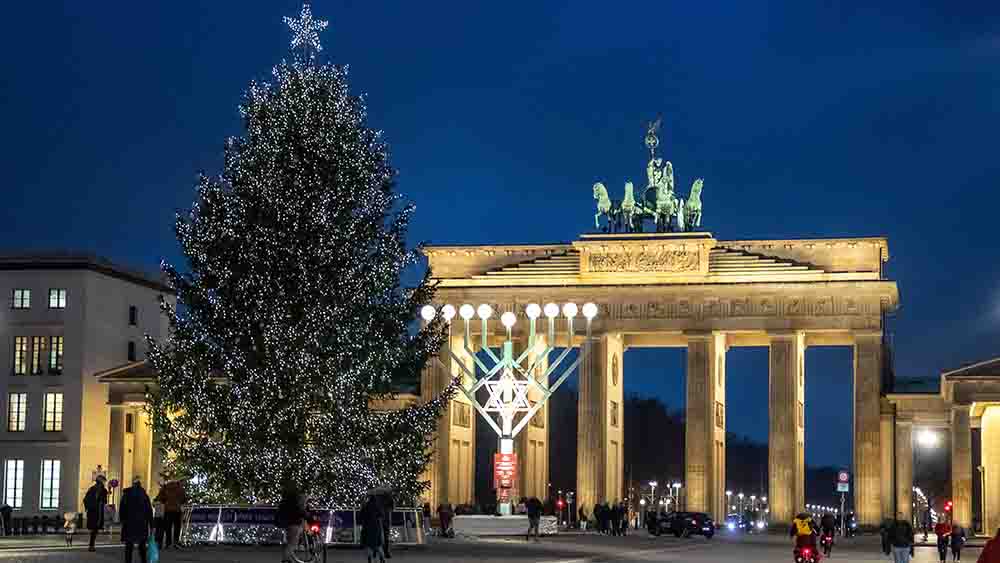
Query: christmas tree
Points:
[292, 318]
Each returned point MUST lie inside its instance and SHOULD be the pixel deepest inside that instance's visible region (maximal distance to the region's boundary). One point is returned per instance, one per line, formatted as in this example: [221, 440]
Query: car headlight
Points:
[731, 526]
[760, 525]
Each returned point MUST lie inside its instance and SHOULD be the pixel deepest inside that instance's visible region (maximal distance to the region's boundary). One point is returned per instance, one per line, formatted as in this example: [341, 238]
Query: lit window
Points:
[21, 299]
[17, 411]
[37, 353]
[133, 315]
[20, 355]
[55, 354]
[57, 299]
[53, 416]
[13, 483]
[50, 484]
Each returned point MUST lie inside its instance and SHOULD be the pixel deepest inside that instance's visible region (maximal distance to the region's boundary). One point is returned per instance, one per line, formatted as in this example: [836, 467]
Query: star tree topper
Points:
[305, 30]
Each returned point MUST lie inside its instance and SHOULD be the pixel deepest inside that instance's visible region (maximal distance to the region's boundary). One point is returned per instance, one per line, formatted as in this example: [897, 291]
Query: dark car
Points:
[687, 524]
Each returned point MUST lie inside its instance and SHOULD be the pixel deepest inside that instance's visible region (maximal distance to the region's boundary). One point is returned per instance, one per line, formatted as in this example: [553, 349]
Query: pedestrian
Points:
[387, 505]
[372, 528]
[597, 518]
[94, 502]
[991, 553]
[5, 512]
[173, 496]
[291, 517]
[444, 519]
[883, 532]
[582, 514]
[136, 515]
[533, 507]
[957, 542]
[943, 532]
[901, 538]
[426, 513]
[616, 519]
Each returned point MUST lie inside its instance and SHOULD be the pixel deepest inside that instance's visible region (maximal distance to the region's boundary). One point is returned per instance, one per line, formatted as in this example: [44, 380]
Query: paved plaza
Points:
[562, 549]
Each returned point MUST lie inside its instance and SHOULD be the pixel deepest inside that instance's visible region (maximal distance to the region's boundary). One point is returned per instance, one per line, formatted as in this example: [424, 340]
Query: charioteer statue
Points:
[658, 203]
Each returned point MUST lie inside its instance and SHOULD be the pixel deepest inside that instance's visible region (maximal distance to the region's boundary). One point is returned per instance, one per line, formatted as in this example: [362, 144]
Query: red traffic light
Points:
[559, 503]
[947, 506]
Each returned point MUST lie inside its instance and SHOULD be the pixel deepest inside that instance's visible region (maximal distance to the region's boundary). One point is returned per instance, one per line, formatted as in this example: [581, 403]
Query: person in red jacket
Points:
[991, 553]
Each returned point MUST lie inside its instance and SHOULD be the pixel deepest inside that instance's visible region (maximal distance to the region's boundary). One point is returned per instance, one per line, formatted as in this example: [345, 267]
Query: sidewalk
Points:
[54, 540]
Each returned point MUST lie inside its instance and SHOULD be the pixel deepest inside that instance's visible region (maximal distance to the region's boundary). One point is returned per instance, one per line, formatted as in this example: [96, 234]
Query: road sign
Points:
[843, 476]
[843, 487]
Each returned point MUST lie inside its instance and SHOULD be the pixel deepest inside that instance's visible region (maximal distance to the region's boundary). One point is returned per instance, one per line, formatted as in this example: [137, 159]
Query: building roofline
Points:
[79, 261]
[958, 371]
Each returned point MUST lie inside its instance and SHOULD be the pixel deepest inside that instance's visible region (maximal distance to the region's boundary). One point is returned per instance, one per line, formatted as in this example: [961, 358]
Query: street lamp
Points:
[729, 496]
[652, 485]
[741, 502]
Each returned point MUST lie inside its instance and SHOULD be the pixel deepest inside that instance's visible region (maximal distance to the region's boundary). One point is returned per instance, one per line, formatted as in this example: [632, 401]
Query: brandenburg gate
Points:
[691, 290]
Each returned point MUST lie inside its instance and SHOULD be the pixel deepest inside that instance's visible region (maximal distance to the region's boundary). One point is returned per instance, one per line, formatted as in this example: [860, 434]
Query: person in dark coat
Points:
[957, 541]
[372, 533]
[388, 505]
[616, 519]
[291, 516]
[93, 503]
[136, 514]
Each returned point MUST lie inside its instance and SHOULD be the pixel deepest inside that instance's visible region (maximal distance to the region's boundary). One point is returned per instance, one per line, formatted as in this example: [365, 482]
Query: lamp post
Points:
[741, 503]
[677, 496]
[729, 496]
[507, 377]
[652, 486]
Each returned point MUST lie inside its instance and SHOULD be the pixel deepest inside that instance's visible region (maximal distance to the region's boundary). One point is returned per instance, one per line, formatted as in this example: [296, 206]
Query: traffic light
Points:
[559, 503]
[947, 506]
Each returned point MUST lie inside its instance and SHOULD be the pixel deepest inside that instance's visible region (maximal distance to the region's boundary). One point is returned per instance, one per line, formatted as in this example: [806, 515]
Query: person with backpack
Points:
[804, 531]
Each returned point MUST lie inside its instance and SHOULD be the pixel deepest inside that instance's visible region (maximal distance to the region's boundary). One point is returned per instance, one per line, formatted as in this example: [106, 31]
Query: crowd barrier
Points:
[254, 525]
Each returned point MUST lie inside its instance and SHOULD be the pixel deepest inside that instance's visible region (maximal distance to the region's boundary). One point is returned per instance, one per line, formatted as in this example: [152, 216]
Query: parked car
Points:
[686, 524]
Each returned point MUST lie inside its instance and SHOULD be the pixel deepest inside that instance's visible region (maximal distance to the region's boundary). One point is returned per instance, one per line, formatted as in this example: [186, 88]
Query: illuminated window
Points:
[57, 299]
[13, 483]
[20, 355]
[21, 299]
[37, 349]
[50, 484]
[17, 411]
[53, 416]
[55, 354]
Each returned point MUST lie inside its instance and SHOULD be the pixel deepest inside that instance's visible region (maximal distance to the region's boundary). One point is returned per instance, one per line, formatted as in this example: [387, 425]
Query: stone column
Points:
[961, 465]
[705, 426]
[599, 466]
[867, 431]
[532, 443]
[904, 468]
[887, 426]
[452, 469]
[786, 438]
[990, 433]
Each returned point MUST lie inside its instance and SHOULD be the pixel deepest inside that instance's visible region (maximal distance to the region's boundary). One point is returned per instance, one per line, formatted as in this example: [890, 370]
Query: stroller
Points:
[69, 526]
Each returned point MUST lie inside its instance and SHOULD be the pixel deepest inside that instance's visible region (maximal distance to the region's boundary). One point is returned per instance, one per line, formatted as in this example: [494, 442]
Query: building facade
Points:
[68, 317]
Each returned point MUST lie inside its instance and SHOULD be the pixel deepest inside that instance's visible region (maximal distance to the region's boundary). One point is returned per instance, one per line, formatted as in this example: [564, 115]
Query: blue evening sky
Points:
[806, 119]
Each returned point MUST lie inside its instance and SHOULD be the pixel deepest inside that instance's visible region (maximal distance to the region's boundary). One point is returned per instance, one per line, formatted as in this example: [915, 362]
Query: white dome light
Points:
[589, 310]
[533, 311]
[484, 311]
[448, 312]
[551, 310]
[427, 312]
[570, 310]
[466, 311]
[508, 319]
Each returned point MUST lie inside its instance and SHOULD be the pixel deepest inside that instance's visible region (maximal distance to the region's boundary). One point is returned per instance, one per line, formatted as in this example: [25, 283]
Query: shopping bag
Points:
[152, 550]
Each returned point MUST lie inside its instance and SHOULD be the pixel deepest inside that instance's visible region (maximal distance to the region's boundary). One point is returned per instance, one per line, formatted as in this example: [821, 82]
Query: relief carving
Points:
[645, 261]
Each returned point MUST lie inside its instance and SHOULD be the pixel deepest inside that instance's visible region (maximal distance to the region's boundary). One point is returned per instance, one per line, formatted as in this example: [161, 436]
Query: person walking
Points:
[533, 507]
[616, 519]
[943, 532]
[582, 518]
[93, 503]
[291, 516]
[173, 497]
[426, 513]
[136, 514]
[372, 528]
[387, 505]
[957, 542]
[901, 539]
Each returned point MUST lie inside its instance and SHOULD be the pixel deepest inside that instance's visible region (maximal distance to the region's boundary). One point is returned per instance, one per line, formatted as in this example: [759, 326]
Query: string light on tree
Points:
[292, 317]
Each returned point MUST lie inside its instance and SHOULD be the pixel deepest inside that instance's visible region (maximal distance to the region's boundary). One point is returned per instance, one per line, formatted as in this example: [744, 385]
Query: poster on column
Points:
[504, 471]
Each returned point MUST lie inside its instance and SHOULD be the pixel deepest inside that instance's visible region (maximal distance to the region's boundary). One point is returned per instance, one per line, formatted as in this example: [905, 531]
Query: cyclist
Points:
[291, 516]
[804, 531]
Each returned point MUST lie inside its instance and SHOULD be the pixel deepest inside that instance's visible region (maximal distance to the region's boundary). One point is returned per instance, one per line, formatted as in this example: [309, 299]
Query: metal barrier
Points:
[254, 525]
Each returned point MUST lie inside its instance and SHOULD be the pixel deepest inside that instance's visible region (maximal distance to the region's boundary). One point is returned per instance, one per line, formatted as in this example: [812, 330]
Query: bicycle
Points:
[308, 549]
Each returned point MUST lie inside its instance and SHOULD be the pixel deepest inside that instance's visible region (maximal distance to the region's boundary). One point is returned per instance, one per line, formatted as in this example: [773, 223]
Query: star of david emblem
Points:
[496, 389]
